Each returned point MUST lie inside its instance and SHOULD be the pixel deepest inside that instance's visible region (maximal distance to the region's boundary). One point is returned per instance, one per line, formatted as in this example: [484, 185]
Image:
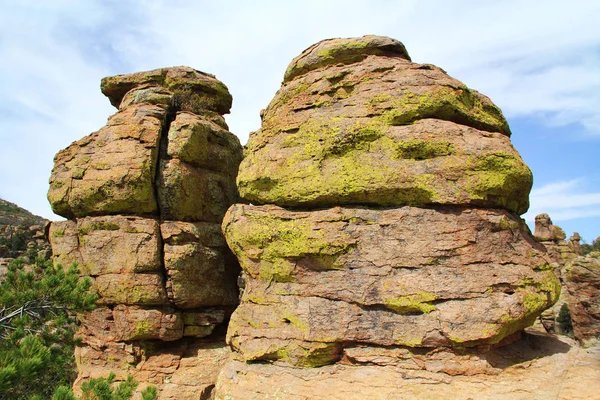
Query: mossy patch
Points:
[84, 229]
[142, 329]
[279, 243]
[344, 150]
[501, 178]
[418, 149]
[456, 104]
[311, 355]
[58, 233]
[419, 303]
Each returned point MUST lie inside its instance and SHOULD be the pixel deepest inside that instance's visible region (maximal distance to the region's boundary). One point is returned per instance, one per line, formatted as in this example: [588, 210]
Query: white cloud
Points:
[535, 59]
[564, 201]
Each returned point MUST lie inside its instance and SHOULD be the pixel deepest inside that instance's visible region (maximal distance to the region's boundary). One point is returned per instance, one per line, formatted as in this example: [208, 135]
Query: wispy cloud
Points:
[564, 201]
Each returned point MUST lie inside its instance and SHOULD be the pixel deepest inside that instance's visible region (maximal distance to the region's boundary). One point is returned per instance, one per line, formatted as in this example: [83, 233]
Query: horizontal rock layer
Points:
[185, 82]
[135, 260]
[343, 51]
[341, 162]
[406, 276]
[127, 323]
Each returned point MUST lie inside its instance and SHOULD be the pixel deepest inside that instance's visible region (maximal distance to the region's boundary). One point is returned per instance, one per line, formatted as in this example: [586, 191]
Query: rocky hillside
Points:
[20, 230]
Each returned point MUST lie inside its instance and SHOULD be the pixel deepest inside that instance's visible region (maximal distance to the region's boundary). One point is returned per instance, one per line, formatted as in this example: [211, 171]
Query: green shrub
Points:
[564, 320]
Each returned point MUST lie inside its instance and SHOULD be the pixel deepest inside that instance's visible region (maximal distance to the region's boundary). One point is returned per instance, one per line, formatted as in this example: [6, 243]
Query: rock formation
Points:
[378, 231]
[553, 238]
[385, 227]
[144, 197]
[582, 281]
[577, 311]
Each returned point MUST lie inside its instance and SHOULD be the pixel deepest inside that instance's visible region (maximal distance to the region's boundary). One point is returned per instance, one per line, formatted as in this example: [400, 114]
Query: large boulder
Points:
[375, 128]
[196, 177]
[400, 227]
[446, 277]
[112, 170]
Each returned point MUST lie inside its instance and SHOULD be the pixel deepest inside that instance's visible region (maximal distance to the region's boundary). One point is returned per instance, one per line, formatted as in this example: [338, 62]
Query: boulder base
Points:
[538, 367]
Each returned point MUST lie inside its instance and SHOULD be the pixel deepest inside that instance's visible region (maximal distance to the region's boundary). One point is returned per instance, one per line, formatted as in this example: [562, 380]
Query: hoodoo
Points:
[145, 196]
[384, 223]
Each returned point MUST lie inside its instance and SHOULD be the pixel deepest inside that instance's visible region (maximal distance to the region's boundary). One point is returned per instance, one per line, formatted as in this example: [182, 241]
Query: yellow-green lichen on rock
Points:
[279, 244]
[193, 90]
[356, 124]
[345, 51]
[404, 276]
[340, 161]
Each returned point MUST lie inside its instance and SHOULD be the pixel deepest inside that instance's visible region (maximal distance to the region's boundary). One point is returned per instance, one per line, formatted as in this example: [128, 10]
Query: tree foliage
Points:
[588, 248]
[105, 389]
[38, 307]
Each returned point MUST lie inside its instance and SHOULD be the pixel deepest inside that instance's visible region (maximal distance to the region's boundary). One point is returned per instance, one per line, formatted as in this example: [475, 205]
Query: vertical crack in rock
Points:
[163, 142]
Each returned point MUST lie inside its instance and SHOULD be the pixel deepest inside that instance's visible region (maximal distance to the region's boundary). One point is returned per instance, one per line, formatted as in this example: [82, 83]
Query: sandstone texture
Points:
[534, 368]
[160, 143]
[183, 370]
[368, 245]
[582, 281]
[383, 255]
[385, 201]
[201, 272]
[144, 197]
[471, 278]
[356, 122]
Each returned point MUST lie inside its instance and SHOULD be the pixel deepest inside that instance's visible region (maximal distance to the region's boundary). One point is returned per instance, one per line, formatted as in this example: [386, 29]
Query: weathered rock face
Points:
[582, 280]
[115, 170]
[471, 278]
[374, 128]
[111, 171]
[145, 196]
[563, 253]
[449, 264]
[201, 272]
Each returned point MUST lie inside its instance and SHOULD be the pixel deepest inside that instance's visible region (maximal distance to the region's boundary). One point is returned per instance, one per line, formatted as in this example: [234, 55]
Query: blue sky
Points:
[538, 60]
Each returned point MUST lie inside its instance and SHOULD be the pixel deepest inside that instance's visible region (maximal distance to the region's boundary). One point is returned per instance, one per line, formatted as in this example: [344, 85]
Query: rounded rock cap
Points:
[173, 79]
[344, 51]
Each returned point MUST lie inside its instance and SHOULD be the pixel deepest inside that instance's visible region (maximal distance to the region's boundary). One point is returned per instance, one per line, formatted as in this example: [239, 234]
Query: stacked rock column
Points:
[577, 311]
[144, 197]
[385, 221]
